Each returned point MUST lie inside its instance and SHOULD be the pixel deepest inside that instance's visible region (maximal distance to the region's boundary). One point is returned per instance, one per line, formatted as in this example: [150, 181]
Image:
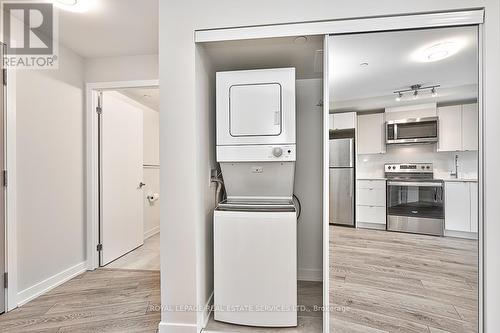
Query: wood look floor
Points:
[105, 300]
[146, 257]
[310, 297]
[384, 281]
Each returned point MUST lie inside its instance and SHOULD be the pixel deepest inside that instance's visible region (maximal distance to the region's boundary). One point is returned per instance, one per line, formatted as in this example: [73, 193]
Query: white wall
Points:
[178, 76]
[205, 194]
[50, 171]
[309, 180]
[151, 132]
[127, 68]
[372, 165]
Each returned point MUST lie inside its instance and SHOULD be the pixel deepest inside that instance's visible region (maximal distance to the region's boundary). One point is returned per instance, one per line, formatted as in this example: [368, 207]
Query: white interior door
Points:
[121, 227]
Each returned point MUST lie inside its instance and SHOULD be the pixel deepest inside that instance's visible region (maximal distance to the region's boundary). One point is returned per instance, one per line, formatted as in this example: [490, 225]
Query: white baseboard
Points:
[305, 274]
[366, 225]
[151, 232]
[40, 288]
[460, 234]
[177, 328]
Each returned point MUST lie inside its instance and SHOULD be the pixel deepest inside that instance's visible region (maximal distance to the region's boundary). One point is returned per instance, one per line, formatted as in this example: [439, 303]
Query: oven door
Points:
[415, 207]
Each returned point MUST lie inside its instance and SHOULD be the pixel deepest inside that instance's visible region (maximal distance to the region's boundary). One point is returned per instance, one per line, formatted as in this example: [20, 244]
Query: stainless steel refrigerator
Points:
[342, 182]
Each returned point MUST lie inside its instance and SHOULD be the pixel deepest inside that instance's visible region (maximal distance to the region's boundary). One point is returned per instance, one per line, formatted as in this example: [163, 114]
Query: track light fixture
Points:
[416, 90]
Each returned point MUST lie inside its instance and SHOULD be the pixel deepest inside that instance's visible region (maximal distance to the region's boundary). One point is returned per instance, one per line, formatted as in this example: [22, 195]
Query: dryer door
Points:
[255, 109]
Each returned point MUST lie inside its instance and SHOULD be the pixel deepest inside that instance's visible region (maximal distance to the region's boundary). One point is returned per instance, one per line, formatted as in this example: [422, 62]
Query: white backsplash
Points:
[372, 166]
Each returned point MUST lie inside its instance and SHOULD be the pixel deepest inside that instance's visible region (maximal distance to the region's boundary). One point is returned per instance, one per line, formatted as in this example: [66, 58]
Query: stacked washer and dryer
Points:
[255, 227]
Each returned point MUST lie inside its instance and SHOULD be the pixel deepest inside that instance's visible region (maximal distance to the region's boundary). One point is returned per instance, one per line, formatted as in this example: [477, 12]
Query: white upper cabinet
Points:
[450, 128]
[470, 126]
[371, 134]
[458, 127]
[340, 121]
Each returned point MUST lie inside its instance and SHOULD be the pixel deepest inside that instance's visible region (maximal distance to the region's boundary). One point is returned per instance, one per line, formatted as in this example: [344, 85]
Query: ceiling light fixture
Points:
[67, 2]
[77, 6]
[434, 92]
[415, 91]
[438, 50]
[300, 40]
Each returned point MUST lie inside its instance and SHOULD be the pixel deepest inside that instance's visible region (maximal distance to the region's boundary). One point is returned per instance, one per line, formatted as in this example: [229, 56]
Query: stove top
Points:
[409, 171]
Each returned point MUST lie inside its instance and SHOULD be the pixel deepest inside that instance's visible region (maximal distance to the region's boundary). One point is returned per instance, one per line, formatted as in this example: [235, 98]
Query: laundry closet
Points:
[294, 145]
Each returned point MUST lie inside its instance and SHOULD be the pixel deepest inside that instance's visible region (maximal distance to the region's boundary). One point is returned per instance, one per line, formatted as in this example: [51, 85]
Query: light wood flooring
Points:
[384, 281]
[146, 257]
[310, 297]
[105, 300]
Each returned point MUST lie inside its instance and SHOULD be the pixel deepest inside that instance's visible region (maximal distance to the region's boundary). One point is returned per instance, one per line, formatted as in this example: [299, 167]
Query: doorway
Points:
[124, 228]
[416, 234]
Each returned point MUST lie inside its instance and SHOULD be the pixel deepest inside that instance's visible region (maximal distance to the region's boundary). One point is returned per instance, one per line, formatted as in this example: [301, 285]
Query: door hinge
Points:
[4, 178]
[99, 247]
[4, 76]
[6, 280]
[98, 110]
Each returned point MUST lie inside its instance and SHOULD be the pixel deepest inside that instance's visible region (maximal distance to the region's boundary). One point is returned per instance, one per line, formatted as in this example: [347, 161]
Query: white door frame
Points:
[92, 154]
[10, 191]
[364, 25]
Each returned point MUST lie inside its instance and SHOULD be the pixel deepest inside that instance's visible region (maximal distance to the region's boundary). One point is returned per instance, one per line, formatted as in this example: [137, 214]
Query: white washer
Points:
[255, 265]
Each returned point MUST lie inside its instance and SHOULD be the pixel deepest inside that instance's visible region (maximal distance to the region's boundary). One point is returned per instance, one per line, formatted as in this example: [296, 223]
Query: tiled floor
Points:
[146, 257]
[394, 282]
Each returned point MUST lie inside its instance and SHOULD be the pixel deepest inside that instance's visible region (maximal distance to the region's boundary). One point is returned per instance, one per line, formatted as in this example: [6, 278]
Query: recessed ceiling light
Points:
[438, 51]
[300, 40]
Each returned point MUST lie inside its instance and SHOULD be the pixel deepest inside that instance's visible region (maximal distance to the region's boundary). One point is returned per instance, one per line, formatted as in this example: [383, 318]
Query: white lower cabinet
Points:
[371, 204]
[461, 209]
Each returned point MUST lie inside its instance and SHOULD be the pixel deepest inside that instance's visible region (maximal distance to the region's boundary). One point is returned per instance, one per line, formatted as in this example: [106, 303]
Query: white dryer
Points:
[255, 229]
[256, 107]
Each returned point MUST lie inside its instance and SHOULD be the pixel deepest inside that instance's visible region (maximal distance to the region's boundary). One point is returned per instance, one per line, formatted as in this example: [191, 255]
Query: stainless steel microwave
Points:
[412, 130]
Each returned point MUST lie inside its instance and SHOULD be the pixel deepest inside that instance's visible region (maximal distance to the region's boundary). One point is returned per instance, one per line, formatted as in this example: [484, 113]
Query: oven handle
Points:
[418, 184]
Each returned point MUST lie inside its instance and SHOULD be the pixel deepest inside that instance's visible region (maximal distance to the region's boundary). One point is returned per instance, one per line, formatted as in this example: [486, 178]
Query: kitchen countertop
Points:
[472, 180]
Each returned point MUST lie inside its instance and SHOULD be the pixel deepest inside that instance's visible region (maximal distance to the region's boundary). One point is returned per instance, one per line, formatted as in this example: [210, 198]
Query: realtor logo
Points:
[29, 30]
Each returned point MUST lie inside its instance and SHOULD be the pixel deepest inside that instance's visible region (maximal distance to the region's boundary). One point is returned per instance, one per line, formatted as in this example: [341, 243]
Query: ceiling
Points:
[149, 97]
[305, 54]
[391, 67]
[111, 28]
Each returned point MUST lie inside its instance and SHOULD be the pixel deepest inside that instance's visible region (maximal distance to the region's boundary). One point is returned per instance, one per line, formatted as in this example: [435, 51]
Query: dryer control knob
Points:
[277, 151]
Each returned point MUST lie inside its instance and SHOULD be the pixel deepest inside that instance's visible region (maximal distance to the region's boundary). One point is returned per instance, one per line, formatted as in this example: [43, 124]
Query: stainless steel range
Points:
[415, 200]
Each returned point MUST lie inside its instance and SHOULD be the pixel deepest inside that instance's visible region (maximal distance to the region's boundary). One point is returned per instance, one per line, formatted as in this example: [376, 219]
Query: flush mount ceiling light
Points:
[67, 2]
[78, 6]
[300, 40]
[438, 51]
[415, 91]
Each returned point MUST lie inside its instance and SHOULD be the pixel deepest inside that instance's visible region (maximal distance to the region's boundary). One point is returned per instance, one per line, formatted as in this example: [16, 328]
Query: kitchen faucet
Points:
[455, 174]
